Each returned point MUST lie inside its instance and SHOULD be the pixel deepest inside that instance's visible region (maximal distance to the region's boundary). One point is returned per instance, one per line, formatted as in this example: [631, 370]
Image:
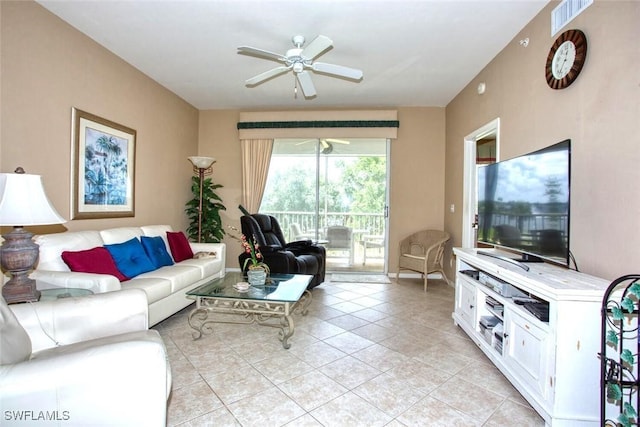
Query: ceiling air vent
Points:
[565, 12]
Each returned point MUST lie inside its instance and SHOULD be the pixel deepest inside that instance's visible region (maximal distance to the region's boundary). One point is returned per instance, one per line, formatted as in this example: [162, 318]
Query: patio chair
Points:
[423, 251]
[371, 242]
[298, 234]
[340, 238]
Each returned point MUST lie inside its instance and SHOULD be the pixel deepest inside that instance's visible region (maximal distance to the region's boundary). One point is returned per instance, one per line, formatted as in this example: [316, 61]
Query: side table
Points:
[56, 293]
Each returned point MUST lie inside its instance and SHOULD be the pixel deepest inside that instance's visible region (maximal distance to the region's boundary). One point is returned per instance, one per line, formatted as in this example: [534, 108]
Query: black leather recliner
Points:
[300, 257]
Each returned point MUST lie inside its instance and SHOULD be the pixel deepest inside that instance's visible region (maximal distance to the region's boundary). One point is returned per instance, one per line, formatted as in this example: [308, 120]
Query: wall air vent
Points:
[565, 12]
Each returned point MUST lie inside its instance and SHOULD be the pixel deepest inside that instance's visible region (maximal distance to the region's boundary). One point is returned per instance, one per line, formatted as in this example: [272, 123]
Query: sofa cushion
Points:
[52, 245]
[95, 260]
[179, 245]
[156, 288]
[156, 230]
[111, 236]
[130, 257]
[208, 266]
[156, 251]
[180, 276]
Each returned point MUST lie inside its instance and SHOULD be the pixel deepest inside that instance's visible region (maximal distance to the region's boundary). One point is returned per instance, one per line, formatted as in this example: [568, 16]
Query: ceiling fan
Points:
[326, 143]
[300, 60]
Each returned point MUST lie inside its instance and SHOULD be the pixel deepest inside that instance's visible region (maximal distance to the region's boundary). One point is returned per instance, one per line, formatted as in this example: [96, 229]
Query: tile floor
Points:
[365, 355]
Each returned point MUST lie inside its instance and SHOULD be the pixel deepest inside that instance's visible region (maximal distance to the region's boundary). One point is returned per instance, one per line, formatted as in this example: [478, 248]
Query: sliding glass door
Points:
[333, 191]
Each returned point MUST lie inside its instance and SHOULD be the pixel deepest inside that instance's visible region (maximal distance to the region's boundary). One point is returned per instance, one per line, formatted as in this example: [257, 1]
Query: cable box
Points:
[471, 273]
[493, 303]
[500, 286]
[539, 309]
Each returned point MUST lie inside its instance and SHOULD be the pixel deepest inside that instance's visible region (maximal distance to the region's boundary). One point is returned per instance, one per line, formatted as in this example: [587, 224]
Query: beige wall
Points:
[48, 67]
[417, 172]
[600, 112]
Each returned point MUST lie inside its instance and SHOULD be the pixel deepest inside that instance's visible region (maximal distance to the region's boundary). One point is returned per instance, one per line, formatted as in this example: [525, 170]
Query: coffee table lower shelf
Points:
[277, 314]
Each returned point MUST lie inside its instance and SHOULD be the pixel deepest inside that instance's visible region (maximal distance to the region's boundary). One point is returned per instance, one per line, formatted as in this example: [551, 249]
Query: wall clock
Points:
[566, 59]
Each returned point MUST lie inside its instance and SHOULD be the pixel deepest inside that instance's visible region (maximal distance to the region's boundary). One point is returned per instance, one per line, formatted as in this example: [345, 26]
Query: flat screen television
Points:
[523, 204]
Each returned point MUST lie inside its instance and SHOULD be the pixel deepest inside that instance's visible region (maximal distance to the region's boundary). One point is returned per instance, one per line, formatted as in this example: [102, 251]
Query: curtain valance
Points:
[319, 124]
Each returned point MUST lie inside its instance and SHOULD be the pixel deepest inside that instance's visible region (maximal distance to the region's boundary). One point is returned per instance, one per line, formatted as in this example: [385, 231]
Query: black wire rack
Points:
[620, 347]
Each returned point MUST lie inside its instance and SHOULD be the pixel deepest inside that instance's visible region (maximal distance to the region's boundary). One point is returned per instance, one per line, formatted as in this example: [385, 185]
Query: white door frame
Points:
[469, 202]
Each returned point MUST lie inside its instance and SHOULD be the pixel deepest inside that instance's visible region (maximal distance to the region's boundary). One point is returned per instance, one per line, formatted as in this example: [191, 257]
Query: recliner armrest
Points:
[271, 249]
[299, 244]
[70, 320]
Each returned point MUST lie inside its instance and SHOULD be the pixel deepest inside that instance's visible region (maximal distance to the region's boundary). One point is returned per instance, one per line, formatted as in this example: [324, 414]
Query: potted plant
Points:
[257, 270]
[211, 225]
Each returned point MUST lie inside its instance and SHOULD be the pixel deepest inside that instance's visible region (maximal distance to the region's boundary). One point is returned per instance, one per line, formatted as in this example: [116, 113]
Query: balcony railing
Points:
[365, 223]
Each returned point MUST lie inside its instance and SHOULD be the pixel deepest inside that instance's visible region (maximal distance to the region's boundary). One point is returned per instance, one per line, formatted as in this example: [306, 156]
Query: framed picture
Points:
[103, 168]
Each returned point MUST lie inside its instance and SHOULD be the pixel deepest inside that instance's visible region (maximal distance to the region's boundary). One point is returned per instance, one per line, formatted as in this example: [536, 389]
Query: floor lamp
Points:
[23, 202]
[201, 166]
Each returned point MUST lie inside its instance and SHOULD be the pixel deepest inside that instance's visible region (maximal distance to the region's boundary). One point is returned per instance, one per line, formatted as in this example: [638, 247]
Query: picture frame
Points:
[103, 172]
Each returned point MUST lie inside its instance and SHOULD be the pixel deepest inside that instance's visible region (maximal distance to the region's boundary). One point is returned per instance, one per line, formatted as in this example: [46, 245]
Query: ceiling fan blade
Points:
[256, 80]
[246, 50]
[306, 84]
[305, 141]
[337, 70]
[337, 141]
[316, 47]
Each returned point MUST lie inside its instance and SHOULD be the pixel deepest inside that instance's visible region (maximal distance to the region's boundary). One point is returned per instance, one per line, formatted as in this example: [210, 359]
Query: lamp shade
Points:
[202, 162]
[24, 202]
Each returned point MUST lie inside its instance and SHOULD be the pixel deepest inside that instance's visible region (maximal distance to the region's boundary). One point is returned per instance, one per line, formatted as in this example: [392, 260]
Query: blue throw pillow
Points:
[156, 251]
[130, 258]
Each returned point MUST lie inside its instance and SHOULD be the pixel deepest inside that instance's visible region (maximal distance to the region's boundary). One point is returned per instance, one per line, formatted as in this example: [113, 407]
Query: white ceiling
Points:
[412, 52]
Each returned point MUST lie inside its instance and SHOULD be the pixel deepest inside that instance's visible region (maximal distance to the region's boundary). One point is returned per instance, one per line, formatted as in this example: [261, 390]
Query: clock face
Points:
[566, 59]
[563, 60]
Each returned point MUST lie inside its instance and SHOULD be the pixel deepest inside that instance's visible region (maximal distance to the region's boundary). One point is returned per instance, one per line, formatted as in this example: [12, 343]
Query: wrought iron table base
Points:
[252, 311]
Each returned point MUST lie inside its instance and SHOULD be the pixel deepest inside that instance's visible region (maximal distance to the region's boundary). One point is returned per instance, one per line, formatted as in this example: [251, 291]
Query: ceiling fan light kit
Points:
[300, 60]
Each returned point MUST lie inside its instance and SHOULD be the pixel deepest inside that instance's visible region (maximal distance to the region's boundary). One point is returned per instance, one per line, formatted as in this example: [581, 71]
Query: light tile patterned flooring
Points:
[364, 355]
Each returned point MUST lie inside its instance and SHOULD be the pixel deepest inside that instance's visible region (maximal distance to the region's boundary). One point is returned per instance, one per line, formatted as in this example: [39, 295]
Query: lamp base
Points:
[23, 290]
[18, 255]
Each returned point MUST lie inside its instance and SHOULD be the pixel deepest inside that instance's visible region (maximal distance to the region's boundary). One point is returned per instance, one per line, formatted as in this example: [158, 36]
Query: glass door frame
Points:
[319, 223]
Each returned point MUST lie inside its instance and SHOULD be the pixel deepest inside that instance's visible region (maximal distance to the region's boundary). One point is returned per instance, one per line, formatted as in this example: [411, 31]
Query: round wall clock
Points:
[566, 59]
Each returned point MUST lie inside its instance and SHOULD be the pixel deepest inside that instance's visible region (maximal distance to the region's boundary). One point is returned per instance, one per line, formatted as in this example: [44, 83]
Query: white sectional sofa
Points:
[106, 370]
[165, 286]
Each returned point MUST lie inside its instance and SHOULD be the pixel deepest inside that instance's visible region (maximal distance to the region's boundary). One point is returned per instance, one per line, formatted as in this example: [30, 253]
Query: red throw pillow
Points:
[179, 245]
[96, 260]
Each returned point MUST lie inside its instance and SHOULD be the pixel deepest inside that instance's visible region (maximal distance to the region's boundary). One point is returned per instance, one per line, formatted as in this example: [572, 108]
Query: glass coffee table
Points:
[272, 304]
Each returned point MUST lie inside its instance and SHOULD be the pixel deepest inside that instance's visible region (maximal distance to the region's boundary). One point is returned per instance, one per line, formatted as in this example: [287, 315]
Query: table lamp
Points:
[201, 166]
[23, 202]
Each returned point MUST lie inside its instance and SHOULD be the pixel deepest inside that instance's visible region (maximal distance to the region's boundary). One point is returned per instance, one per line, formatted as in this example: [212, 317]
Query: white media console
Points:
[550, 357]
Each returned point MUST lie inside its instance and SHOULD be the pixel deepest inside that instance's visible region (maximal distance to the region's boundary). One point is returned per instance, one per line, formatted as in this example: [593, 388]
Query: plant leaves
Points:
[612, 338]
[628, 304]
[629, 410]
[624, 420]
[617, 313]
[627, 356]
[634, 289]
[212, 230]
[614, 392]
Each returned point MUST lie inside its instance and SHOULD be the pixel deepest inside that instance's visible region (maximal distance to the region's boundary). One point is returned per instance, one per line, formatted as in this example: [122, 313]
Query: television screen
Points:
[523, 204]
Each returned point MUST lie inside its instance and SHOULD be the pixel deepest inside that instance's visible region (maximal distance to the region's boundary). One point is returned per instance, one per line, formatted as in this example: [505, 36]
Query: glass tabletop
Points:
[57, 293]
[279, 287]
